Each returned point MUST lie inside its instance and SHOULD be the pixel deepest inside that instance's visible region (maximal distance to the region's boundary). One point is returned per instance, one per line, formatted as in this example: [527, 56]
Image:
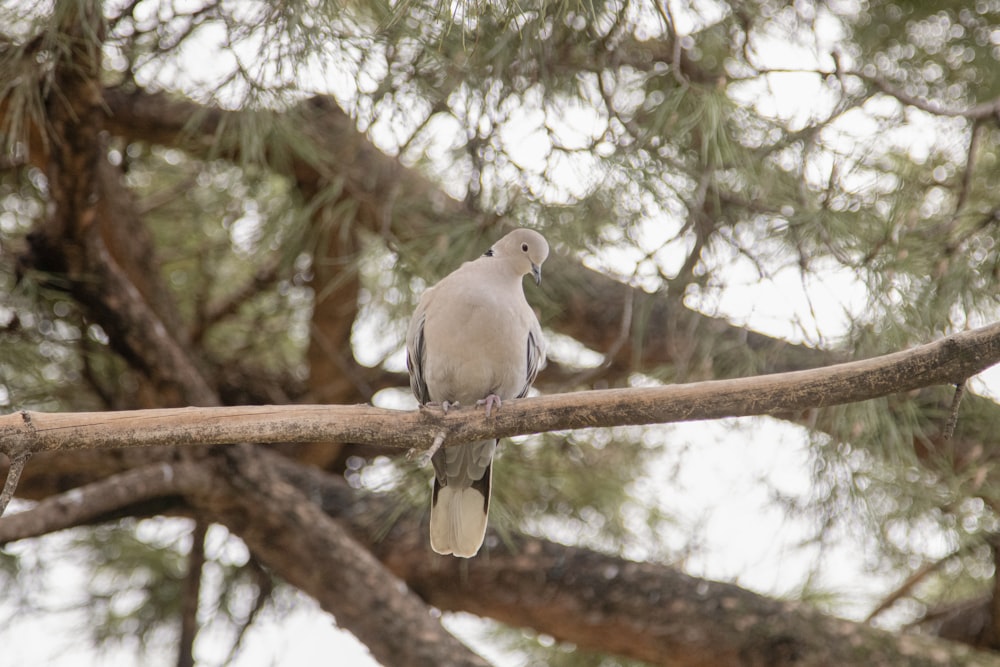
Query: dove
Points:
[473, 339]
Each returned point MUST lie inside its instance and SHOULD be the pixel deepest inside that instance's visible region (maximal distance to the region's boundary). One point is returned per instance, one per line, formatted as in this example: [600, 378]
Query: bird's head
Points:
[526, 249]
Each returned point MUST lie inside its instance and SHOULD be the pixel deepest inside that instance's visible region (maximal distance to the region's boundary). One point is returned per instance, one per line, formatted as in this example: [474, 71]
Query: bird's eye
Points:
[524, 247]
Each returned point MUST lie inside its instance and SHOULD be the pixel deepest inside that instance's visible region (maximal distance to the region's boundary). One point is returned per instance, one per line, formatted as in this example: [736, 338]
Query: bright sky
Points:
[726, 471]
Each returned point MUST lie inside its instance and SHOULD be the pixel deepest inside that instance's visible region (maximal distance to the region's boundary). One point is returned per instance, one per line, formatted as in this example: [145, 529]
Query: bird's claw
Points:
[491, 401]
[444, 405]
[424, 458]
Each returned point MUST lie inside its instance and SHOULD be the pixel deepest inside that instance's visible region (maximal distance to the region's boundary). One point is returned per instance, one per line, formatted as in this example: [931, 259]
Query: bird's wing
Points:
[415, 351]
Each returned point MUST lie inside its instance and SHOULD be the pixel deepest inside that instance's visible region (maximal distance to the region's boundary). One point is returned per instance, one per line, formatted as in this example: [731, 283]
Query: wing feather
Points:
[415, 350]
[535, 362]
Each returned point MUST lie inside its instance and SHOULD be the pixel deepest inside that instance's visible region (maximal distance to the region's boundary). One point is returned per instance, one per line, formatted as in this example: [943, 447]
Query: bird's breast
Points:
[477, 348]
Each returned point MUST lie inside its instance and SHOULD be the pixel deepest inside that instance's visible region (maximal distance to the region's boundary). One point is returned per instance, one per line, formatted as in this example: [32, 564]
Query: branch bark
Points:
[950, 360]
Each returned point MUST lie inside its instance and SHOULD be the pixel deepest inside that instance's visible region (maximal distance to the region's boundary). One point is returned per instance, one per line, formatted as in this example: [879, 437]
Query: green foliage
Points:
[943, 44]
[232, 254]
[577, 489]
[535, 650]
[46, 346]
[135, 592]
[133, 574]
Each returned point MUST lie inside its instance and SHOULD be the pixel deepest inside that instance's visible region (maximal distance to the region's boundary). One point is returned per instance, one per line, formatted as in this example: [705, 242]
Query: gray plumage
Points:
[474, 339]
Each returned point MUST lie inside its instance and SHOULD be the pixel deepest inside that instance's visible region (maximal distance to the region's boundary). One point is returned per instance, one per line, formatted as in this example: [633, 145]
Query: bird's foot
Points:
[491, 401]
[444, 405]
[424, 458]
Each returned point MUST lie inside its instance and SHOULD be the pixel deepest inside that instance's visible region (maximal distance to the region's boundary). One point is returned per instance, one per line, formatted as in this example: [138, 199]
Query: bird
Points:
[473, 338]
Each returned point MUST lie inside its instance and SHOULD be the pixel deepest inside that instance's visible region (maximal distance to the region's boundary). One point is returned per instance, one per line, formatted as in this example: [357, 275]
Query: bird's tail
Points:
[458, 515]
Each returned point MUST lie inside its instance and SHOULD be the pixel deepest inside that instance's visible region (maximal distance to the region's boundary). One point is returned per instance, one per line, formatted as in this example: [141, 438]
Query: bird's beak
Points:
[536, 272]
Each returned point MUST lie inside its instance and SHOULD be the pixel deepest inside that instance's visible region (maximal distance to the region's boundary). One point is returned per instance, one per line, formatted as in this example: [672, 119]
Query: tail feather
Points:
[458, 516]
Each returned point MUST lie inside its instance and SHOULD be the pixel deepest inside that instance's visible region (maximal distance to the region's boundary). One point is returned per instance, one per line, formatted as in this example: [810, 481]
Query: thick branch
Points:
[644, 611]
[656, 614]
[950, 360]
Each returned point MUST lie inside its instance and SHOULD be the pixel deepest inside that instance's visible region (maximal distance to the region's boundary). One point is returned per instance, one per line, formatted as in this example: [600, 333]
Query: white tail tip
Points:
[458, 521]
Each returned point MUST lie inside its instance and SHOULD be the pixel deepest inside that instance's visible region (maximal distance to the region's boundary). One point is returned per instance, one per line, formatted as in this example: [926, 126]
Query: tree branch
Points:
[97, 500]
[982, 111]
[950, 360]
[14, 470]
[904, 588]
[91, 236]
[191, 595]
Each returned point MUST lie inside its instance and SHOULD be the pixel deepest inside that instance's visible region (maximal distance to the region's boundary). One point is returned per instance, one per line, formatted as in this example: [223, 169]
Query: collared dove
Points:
[474, 339]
